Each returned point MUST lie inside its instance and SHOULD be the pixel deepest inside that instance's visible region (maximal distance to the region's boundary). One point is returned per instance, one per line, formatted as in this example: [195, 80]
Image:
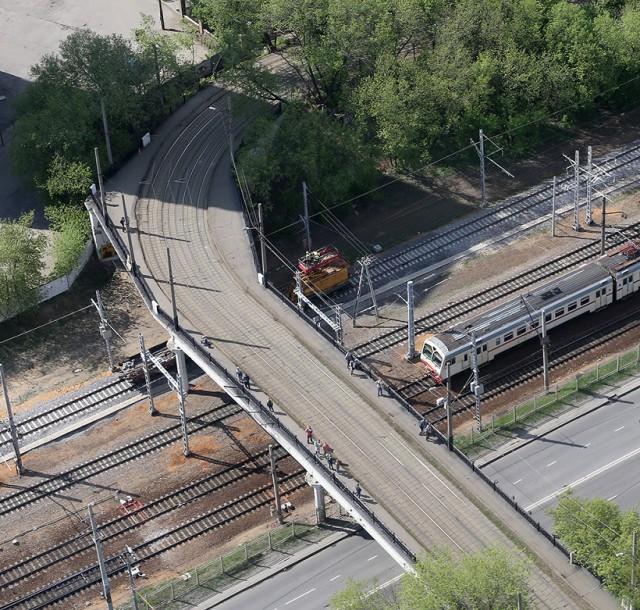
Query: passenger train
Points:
[591, 287]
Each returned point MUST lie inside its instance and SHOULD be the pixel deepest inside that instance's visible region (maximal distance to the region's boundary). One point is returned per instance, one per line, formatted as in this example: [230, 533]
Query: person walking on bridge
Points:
[239, 374]
[309, 432]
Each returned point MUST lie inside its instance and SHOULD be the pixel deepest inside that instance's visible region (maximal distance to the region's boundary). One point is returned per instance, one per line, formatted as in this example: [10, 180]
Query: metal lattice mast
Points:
[476, 386]
[553, 209]
[103, 571]
[360, 280]
[105, 331]
[306, 216]
[411, 333]
[483, 189]
[183, 417]
[545, 349]
[367, 261]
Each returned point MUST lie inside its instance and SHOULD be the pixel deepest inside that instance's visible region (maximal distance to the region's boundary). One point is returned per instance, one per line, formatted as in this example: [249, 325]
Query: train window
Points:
[572, 306]
[478, 350]
[547, 317]
[452, 361]
[484, 347]
[497, 341]
[466, 357]
[584, 300]
[521, 331]
[559, 312]
[508, 337]
[535, 323]
[597, 294]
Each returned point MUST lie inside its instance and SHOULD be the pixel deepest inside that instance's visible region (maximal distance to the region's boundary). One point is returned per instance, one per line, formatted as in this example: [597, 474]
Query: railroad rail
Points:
[514, 212]
[452, 313]
[144, 446]
[216, 518]
[30, 566]
[127, 385]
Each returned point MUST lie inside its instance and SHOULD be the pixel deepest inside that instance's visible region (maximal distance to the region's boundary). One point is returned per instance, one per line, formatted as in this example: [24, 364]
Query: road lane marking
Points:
[612, 498]
[335, 578]
[587, 445]
[618, 429]
[518, 481]
[372, 558]
[552, 463]
[299, 596]
[583, 479]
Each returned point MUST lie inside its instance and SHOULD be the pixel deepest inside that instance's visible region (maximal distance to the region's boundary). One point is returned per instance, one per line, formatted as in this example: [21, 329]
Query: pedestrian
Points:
[316, 445]
[349, 358]
[326, 449]
[358, 490]
[309, 431]
[427, 431]
[423, 425]
[123, 222]
[352, 366]
[330, 462]
[338, 465]
[246, 381]
[379, 387]
[270, 404]
[239, 374]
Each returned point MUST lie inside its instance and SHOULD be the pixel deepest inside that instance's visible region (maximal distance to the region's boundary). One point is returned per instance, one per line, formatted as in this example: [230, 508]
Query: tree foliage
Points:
[72, 229]
[483, 581]
[600, 536]
[21, 265]
[304, 145]
[59, 118]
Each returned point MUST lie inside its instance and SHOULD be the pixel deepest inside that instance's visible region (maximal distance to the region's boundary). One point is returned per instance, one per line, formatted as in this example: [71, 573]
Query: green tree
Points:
[21, 265]
[483, 581]
[72, 230]
[68, 181]
[304, 145]
[600, 536]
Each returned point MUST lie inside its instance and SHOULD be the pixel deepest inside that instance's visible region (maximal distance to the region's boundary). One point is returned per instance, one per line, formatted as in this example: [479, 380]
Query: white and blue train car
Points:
[589, 288]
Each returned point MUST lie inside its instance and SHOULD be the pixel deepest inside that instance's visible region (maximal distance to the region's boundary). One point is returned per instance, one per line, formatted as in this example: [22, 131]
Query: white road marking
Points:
[612, 498]
[299, 596]
[583, 479]
[335, 578]
[587, 445]
[552, 463]
[372, 558]
[618, 429]
[518, 481]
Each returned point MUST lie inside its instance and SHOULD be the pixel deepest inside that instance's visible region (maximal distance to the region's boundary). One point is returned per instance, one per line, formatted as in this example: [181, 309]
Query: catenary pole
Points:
[276, 490]
[411, 333]
[12, 426]
[306, 217]
[263, 246]
[103, 571]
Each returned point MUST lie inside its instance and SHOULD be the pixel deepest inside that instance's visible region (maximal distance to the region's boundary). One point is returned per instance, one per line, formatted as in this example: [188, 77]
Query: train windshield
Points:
[432, 354]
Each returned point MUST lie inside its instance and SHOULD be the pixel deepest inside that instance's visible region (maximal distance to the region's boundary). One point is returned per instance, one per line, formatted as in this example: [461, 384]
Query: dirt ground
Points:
[61, 517]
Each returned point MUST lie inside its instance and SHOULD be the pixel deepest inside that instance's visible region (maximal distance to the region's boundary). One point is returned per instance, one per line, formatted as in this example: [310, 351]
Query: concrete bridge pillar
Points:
[318, 496]
[181, 363]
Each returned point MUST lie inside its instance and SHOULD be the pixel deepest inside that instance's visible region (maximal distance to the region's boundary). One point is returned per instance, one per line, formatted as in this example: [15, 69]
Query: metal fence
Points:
[222, 573]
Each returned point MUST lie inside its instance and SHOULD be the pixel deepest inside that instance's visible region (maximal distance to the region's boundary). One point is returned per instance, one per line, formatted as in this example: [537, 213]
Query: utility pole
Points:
[364, 271]
[553, 209]
[604, 225]
[173, 293]
[134, 596]
[545, 350]
[105, 330]
[230, 121]
[576, 194]
[449, 411]
[155, 61]
[476, 386]
[127, 229]
[411, 338]
[306, 217]
[633, 566]
[100, 184]
[103, 570]
[276, 490]
[588, 221]
[12, 426]
[483, 191]
[263, 248]
[147, 375]
[106, 130]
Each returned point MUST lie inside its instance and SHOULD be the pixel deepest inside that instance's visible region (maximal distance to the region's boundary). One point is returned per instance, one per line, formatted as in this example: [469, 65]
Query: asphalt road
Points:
[310, 584]
[597, 455]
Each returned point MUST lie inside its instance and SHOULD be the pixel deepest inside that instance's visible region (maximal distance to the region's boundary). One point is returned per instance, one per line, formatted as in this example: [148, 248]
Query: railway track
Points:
[143, 446]
[31, 426]
[216, 518]
[527, 370]
[30, 566]
[450, 314]
[514, 212]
